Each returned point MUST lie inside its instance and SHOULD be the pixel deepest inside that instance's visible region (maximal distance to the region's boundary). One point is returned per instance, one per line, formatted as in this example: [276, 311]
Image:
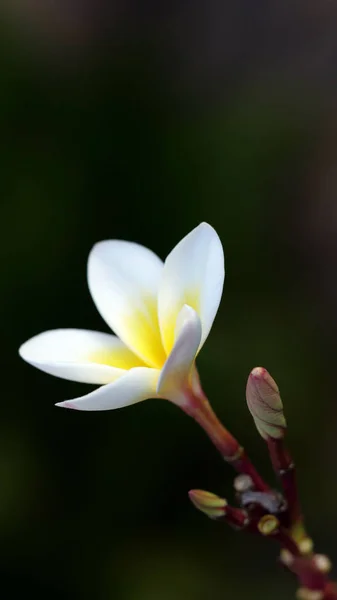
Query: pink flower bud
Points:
[265, 404]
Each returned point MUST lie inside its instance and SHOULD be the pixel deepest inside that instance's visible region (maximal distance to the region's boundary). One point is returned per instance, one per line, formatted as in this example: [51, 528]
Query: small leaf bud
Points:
[323, 563]
[286, 557]
[268, 525]
[243, 483]
[305, 545]
[307, 594]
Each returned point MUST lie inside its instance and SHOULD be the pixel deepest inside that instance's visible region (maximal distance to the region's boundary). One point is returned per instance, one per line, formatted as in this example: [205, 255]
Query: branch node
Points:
[238, 454]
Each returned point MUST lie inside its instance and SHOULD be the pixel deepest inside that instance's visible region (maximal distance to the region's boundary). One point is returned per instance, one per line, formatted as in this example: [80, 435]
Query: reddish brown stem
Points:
[200, 409]
[312, 579]
[330, 592]
[236, 517]
[285, 469]
[286, 541]
[242, 464]
[309, 576]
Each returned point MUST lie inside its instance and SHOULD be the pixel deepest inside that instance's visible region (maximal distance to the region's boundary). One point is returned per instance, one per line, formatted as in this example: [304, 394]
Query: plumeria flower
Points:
[161, 313]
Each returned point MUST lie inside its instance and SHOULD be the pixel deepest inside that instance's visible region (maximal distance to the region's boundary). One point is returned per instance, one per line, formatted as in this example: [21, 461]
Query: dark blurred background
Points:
[137, 120]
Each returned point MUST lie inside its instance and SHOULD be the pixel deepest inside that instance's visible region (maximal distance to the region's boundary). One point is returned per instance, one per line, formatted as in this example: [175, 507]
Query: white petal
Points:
[136, 385]
[176, 371]
[193, 274]
[79, 355]
[123, 279]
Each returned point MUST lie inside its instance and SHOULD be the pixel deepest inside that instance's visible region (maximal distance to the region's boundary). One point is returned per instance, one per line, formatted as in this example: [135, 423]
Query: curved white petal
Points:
[177, 369]
[79, 355]
[136, 385]
[123, 279]
[193, 274]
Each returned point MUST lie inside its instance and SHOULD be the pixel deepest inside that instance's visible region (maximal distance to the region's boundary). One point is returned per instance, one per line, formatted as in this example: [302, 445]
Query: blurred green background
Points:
[137, 120]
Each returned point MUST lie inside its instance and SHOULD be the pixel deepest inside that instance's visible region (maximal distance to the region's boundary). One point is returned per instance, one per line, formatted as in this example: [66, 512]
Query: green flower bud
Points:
[213, 506]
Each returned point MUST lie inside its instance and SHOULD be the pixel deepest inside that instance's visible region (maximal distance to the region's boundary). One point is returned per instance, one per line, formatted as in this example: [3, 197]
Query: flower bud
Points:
[307, 594]
[243, 483]
[323, 563]
[305, 545]
[286, 557]
[265, 404]
[213, 506]
[268, 525]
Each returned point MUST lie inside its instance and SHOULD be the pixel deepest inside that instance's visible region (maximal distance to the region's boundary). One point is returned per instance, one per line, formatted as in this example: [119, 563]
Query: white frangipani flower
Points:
[161, 312]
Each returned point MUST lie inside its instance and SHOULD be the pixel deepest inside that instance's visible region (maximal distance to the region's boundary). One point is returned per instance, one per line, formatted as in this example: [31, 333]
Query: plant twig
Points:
[200, 409]
[263, 510]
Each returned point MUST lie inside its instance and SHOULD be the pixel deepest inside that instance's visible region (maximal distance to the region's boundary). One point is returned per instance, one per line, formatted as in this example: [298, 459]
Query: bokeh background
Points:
[137, 120]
